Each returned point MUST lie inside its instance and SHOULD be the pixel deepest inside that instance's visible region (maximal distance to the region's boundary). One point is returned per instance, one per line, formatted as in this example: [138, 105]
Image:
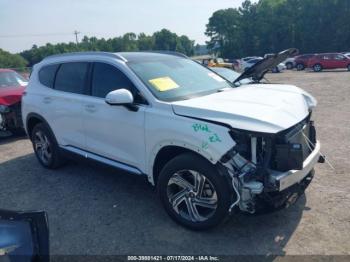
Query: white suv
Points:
[208, 145]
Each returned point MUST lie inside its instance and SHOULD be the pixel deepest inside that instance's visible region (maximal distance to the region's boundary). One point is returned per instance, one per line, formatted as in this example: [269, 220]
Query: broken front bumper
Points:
[283, 180]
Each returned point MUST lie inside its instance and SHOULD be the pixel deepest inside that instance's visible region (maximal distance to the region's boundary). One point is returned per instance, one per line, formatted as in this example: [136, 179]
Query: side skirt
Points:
[101, 159]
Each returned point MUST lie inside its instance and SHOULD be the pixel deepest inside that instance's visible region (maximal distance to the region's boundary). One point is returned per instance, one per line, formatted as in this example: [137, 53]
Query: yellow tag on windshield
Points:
[163, 83]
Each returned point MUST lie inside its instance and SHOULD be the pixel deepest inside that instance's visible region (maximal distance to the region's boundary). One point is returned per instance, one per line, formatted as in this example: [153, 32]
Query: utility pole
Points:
[76, 36]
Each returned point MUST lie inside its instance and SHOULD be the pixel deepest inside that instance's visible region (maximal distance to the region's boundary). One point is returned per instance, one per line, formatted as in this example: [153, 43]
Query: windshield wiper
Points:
[258, 70]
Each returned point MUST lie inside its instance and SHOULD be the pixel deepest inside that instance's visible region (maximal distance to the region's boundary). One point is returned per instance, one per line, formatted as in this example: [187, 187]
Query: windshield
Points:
[10, 79]
[230, 75]
[172, 78]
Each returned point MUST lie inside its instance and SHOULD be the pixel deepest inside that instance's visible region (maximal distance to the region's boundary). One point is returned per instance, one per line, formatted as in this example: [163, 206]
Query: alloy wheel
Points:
[317, 68]
[42, 147]
[192, 195]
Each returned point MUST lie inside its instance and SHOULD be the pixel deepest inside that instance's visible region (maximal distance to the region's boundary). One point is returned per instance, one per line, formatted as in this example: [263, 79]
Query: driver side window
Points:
[106, 78]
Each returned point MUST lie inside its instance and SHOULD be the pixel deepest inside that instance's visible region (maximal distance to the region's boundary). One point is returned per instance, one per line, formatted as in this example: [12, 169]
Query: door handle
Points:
[47, 100]
[90, 108]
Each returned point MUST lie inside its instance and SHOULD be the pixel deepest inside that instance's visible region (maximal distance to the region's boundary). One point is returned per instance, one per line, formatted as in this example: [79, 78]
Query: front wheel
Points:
[349, 67]
[193, 192]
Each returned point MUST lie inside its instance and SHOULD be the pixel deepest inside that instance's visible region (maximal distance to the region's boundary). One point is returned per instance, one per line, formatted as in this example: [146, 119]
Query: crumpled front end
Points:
[11, 117]
[272, 169]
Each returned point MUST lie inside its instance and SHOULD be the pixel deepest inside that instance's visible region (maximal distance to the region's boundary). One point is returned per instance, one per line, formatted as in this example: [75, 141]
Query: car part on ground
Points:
[208, 145]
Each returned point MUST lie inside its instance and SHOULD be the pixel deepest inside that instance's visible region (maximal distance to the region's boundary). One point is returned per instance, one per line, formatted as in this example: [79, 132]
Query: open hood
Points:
[268, 108]
[258, 70]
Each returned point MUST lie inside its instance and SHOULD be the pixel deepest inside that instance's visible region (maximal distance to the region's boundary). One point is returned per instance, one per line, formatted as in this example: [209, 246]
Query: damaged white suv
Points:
[209, 145]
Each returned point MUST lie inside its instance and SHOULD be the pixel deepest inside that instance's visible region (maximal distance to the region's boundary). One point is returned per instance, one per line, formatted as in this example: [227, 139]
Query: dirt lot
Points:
[96, 210]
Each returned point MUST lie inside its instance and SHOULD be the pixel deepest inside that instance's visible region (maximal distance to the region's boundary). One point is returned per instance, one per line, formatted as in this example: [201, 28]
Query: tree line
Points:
[8, 60]
[312, 26]
[161, 40]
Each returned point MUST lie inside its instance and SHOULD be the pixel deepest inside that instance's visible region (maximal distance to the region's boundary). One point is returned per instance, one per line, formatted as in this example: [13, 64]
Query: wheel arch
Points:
[169, 151]
[32, 120]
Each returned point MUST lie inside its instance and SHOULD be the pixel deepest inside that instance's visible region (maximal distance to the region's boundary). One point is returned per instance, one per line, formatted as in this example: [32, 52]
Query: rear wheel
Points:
[193, 192]
[317, 68]
[349, 67]
[300, 67]
[45, 147]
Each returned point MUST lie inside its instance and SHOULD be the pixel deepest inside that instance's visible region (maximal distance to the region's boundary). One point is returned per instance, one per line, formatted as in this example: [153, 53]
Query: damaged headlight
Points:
[4, 109]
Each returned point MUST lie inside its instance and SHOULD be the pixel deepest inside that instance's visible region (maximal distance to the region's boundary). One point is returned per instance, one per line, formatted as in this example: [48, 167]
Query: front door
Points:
[114, 132]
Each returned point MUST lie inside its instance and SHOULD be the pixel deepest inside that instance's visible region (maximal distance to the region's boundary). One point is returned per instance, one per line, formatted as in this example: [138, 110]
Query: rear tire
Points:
[349, 67]
[193, 192]
[317, 68]
[45, 147]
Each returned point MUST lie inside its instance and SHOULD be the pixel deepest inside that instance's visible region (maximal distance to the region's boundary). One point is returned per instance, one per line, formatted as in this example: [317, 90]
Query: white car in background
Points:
[247, 62]
[205, 143]
[290, 63]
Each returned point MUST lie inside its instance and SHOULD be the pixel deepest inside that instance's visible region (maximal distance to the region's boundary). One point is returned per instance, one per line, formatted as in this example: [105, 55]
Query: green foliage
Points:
[8, 60]
[162, 40]
[273, 25]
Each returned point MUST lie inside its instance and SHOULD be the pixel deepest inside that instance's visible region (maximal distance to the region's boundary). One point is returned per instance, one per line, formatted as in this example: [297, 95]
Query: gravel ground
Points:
[97, 210]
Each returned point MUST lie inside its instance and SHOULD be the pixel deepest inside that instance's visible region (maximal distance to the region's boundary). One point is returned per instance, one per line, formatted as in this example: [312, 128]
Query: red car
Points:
[329, 61]
[302, 61]
[12, 86]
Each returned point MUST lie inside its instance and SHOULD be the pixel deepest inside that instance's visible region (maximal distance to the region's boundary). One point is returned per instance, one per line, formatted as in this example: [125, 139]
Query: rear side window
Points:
[107, 78]
[71, 77]
[47, 75]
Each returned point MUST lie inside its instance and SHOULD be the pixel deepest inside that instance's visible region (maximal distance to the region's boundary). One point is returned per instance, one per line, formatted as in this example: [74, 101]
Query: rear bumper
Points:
[283, 180]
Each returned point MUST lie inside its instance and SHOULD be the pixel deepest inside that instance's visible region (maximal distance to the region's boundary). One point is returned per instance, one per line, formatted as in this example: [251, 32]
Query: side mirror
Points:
[119, 97]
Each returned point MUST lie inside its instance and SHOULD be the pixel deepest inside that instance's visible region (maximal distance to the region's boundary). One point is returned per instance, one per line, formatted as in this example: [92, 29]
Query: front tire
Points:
[348, 67]
[193, 192]
[45, 147]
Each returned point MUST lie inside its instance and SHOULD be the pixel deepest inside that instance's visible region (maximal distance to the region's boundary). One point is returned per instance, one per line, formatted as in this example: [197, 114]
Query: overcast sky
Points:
[24, 22]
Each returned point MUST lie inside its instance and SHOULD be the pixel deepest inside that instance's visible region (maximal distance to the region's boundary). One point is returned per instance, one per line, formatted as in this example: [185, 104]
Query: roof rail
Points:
[174, 53]
[113, 55]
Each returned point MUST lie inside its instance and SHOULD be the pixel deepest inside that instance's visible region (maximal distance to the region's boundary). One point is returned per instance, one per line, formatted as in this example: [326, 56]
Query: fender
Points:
[208, 139]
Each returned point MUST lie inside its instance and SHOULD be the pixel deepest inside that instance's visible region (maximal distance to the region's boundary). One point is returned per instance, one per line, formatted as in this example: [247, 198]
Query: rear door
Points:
[114, 132]
[70, 87]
